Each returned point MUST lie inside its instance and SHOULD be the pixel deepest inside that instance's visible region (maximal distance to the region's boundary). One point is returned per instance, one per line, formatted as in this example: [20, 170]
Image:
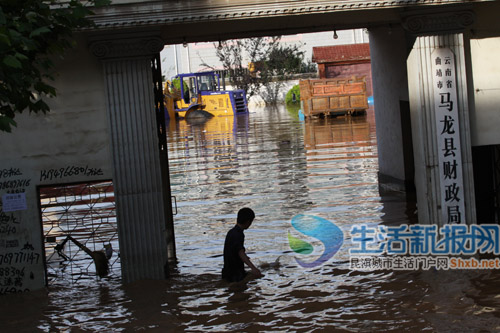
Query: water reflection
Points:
[280, 167]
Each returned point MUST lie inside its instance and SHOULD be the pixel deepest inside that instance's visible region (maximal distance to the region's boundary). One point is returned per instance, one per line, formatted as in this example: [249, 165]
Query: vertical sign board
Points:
[448, 136]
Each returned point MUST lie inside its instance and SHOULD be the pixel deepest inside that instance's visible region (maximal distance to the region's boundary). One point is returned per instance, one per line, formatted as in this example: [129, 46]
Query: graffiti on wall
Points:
[21, 252]
[10, 184]
[17, 258]
[69, 171]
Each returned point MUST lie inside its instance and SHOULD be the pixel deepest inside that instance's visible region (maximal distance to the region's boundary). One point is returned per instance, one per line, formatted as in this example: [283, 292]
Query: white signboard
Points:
[14, 202]
[448, 136]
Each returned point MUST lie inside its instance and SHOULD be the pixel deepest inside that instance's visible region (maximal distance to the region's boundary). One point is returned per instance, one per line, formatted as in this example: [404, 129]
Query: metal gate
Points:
[80, 230]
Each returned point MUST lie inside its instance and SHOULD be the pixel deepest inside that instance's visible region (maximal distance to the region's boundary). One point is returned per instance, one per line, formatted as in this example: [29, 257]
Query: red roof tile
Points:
[338, 53]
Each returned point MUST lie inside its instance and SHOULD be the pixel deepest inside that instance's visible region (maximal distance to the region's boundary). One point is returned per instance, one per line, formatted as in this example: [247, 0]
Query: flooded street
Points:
[280, 167]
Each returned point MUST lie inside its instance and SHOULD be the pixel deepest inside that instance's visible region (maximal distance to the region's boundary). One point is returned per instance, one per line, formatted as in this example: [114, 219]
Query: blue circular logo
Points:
[323, 230]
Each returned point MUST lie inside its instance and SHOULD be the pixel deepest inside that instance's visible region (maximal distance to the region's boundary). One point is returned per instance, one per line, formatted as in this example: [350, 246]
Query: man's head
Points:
[245, 217]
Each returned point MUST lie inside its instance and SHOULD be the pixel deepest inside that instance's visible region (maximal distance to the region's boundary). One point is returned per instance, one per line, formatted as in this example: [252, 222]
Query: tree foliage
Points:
[271, 62]
[235, 55]
[283, 61]
[32, 33]
[293, 95]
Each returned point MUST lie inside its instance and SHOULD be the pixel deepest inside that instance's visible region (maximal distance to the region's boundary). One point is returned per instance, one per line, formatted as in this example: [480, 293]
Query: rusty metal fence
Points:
[80, 230]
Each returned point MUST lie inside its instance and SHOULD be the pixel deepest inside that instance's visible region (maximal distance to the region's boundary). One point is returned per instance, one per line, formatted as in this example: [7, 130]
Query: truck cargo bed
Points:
[336, 96]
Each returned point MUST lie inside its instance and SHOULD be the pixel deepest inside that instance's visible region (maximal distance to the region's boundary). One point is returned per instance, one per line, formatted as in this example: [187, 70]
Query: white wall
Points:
[73, 136]
[485, 119]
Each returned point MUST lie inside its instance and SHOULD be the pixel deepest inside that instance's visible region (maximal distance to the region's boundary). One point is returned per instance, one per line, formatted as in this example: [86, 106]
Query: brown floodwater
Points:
[280, 166]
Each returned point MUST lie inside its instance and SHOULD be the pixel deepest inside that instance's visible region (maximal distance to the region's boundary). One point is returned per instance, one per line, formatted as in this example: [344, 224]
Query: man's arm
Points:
[246, 260]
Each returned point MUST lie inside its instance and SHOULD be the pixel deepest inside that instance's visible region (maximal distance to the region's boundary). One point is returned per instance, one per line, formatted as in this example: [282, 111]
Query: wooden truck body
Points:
[336, 96]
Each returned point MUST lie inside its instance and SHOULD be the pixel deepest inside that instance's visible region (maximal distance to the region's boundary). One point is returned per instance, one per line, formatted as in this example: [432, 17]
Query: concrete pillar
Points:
[137, 173]
[388, 53]
[438, 33]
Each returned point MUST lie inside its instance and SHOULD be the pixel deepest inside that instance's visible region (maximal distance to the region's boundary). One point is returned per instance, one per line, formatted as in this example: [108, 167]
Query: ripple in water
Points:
[280, 167]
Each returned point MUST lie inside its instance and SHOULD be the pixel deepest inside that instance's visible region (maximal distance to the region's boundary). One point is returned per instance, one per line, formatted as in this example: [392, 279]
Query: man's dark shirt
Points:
[233, 265]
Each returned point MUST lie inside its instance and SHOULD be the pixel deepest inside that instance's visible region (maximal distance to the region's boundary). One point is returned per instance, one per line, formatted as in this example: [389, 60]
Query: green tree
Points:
[293, 95]
[235, 56]
[32, 33]
[273, 63]
[282, 62]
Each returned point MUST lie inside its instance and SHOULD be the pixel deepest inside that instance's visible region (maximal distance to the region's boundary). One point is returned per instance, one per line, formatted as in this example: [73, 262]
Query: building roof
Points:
[341, 53]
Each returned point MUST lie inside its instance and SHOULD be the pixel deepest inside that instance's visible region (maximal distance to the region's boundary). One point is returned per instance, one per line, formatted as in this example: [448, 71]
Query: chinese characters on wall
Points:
[448, 136]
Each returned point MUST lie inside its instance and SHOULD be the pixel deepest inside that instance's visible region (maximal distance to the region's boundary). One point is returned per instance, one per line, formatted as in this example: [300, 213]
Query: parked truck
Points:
[204, 92]
[336, 96]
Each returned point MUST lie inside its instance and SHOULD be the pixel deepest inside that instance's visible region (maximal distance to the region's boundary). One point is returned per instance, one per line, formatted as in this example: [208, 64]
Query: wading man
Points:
[234, 250]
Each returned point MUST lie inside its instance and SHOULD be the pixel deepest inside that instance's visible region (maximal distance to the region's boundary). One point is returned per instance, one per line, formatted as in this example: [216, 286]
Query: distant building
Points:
[344, 61]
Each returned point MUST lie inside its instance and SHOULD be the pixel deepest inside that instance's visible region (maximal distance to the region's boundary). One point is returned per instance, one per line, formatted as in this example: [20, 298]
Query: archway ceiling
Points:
[210, 20]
